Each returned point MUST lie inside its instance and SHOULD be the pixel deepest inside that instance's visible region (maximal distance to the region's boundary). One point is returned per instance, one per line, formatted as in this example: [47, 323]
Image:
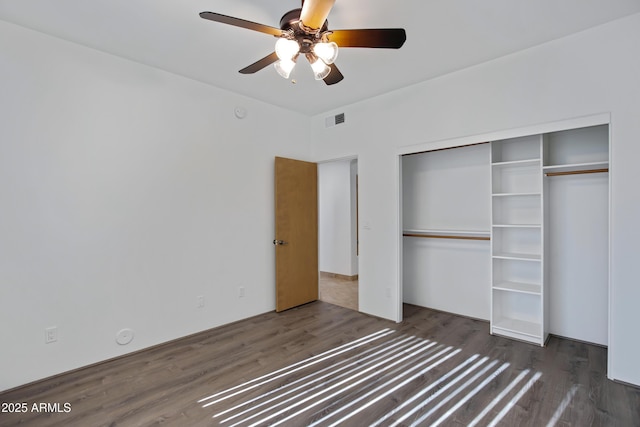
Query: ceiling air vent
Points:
[334, 120]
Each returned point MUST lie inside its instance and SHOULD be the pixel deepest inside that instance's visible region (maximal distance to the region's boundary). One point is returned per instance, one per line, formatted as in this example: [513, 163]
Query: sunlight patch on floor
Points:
[388, 378]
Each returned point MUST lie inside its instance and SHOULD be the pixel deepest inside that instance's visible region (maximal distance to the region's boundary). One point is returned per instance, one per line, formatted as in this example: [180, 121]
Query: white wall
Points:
[335, 218]
[126, 192]
[589, 73]
[448, 189]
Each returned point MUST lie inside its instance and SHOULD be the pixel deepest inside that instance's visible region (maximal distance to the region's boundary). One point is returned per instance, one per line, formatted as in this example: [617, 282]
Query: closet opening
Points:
[445, 217]
[514, 231]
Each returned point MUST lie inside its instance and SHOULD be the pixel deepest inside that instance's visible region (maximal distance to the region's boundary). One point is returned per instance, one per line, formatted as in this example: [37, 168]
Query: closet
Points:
[446, 217]
[514, 231]
[576, 192]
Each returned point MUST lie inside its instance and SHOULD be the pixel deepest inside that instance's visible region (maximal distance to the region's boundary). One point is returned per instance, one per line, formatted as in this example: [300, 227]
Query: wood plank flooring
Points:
[321, 364]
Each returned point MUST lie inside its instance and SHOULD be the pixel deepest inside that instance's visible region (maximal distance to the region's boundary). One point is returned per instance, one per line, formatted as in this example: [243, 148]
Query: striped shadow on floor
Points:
[386, 378]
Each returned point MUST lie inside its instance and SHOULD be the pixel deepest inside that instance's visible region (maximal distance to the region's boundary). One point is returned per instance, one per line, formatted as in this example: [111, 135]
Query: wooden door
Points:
[296, 239]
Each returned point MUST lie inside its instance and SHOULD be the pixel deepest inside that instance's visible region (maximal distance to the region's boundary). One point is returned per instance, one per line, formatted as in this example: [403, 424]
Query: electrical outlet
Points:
[201, 301]
[241, 292]
[388, 292]
[51, 335]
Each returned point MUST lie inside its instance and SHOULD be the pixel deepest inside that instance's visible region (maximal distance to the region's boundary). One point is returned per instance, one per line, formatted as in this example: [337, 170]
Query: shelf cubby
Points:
[516, 177]
[577, 148]
[517, 270]
[525, 148]
[517, 210]
[517, 242]
[517, 315]
[518, 329]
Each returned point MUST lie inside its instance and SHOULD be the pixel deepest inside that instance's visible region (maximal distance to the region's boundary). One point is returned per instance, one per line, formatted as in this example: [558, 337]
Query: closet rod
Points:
[577, 172]
[446, 236]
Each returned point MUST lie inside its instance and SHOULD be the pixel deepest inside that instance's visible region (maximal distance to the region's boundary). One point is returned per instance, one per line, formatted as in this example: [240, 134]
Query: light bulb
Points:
[320, 69]
[328, 52]
[284, 67]
[287, 49]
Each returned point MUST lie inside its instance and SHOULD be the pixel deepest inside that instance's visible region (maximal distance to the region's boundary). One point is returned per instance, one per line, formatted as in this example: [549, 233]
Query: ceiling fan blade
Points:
[315, 12]
[388, 38]
[334, 76]
[259, 65]
[237, 22]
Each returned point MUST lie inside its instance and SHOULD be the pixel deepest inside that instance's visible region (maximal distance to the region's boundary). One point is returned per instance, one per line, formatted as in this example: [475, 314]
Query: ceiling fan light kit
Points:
[328, 52]
[287, 49]
[298, 38]
[320, 69]
[305, 31]
[284, 67]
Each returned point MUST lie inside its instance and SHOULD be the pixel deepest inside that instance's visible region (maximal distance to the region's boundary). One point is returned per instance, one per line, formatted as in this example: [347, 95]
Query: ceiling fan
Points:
[305, 32]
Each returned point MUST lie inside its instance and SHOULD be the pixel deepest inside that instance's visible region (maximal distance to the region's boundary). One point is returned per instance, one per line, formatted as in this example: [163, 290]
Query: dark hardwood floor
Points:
[322, 364]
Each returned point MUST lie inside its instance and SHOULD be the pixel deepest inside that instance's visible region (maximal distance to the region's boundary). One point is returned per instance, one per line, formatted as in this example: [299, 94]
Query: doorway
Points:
[338, 232]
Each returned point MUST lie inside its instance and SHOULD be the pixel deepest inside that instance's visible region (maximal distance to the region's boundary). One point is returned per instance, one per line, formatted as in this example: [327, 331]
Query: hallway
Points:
[338, 290]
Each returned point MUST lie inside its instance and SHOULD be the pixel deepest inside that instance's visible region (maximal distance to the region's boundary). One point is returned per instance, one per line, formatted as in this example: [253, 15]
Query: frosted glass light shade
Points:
[287, 49]
[320, 69]
[284, 67]
[328, 52]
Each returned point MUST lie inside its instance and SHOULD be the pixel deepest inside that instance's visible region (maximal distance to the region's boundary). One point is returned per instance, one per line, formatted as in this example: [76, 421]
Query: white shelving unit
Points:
[517, 279]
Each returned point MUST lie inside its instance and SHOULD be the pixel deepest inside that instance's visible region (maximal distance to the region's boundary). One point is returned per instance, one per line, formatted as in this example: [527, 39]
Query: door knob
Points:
[279, 242]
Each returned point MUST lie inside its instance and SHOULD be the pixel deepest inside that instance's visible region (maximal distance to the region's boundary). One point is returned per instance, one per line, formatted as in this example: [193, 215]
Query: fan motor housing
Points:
[290, 20]
[306, 38]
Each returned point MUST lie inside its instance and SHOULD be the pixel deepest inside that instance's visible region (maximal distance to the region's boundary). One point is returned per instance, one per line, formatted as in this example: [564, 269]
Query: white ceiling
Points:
[442, 36]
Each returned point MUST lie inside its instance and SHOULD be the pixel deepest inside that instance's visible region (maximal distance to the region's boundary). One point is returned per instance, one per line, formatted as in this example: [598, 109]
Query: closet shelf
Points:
[515, 194]
[525, 288]
[517, 256]
[524, 162]
[517, 225]
[449, 234]
[516, 326]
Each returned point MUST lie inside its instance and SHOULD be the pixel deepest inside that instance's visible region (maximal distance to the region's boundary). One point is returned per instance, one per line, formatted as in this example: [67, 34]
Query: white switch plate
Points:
[51, 334]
